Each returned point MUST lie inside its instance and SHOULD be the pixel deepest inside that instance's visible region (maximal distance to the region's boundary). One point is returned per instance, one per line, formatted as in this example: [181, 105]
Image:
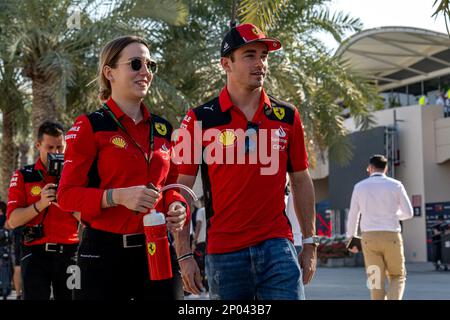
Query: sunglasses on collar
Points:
[252, 130]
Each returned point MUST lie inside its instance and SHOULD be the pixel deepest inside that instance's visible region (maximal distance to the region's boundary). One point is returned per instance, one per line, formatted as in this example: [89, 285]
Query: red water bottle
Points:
[158, 252]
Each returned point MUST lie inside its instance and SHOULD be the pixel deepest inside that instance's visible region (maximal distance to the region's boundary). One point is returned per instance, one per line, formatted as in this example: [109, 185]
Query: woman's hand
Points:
[137, 198]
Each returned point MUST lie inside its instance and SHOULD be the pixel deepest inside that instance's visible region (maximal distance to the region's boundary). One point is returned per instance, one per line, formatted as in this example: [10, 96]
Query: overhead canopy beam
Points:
[411, 51]
[404, 48]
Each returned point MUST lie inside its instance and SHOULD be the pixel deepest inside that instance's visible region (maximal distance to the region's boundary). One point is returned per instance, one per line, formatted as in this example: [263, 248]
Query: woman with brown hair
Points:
[112, 155]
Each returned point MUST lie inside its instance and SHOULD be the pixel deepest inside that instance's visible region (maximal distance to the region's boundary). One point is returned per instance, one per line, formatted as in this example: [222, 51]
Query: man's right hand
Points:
[48, 195]
[308, 262]
[192, 278]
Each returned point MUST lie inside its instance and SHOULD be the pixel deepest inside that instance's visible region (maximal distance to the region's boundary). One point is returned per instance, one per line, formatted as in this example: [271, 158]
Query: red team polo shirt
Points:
[25, 189]
[101, 156]
[246, 207]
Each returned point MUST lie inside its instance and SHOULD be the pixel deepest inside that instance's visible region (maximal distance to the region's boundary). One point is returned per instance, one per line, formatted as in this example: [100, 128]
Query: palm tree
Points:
[316, 81]
[311, 78]
[59, 62]
[10, 105]
[53, 56]
[189, 72]
[443, 7]
[56, 61]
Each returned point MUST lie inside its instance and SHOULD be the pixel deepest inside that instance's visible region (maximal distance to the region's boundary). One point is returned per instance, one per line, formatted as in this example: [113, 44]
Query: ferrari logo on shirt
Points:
[118, 141]
[227, 138]
[36, 190]
[151, 247]
[279, 112]
[161, 128]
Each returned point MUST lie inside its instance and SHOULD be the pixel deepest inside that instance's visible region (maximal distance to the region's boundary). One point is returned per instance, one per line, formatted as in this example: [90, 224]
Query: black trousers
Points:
[17, 245]
[111, 272]
[44, 270]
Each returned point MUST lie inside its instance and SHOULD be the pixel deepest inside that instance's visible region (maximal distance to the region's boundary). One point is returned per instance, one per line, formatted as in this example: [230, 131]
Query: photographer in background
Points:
[50, 236]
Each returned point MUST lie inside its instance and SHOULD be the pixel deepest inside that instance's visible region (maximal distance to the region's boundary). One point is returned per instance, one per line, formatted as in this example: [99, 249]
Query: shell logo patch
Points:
[36, 190]
[255, 31]
[227, 138]
[279, 112]
[151, 247]
[118, 141]
[161, 128]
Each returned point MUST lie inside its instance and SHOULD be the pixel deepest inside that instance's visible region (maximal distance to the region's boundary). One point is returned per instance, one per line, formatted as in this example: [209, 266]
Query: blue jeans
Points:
[267, 271]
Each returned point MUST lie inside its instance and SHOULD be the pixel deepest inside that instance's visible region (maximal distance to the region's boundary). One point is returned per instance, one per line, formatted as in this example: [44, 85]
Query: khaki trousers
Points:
[384, 257]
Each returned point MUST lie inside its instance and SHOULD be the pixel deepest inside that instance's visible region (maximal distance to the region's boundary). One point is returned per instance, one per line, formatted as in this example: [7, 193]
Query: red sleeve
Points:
[188, 150]
[81, 151]
[17, 194]
[298, 158]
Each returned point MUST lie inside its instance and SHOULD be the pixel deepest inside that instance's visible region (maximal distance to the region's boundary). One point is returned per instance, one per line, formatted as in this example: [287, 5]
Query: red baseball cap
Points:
[243, 34]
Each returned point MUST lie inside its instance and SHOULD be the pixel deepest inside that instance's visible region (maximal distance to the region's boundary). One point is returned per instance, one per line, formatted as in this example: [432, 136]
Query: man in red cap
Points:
[250, 251]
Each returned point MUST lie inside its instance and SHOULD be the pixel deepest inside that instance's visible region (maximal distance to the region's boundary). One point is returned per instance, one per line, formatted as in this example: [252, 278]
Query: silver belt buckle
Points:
[48, 249]
[125, 241]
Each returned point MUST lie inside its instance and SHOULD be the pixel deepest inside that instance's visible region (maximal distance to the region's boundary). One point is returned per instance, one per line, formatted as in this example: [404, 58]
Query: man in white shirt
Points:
[382, 203]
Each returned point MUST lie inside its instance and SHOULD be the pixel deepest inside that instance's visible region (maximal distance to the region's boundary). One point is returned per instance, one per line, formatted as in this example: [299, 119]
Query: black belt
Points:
[54, 247]
[132, 240]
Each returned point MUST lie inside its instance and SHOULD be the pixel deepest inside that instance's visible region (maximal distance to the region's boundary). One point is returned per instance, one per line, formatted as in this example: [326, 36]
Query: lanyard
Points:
[42, 176]
[150, 147]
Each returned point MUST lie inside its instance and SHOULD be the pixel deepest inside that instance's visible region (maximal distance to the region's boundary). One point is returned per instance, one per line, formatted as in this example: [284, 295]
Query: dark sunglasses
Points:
[136, 65]
[252, 129]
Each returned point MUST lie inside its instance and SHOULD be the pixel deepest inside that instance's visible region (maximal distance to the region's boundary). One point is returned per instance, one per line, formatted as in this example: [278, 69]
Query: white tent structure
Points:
[397, 56]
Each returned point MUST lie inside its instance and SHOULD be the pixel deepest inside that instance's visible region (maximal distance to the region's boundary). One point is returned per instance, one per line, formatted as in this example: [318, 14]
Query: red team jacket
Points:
[100, 156]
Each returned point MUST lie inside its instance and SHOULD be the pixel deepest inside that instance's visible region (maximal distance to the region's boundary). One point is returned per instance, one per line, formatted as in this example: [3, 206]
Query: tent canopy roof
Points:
[397, 56]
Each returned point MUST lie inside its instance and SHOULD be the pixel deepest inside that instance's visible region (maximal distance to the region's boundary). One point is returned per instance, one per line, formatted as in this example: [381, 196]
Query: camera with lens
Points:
[55, 165]
[33, 233]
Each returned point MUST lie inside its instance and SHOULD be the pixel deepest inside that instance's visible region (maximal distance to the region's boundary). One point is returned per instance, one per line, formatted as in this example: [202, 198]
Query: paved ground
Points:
[423, 283]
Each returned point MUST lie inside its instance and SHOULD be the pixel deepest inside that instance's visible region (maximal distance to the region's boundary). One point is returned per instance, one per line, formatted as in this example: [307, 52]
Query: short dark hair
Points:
[378, 161]
[230, 55]
[2, 208]
[50, 128]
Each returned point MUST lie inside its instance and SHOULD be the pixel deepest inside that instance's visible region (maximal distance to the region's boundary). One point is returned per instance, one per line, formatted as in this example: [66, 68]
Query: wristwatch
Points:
[314, 240]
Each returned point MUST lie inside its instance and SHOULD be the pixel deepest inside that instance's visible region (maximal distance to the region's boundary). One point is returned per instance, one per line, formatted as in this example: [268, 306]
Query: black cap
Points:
[244, 34]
